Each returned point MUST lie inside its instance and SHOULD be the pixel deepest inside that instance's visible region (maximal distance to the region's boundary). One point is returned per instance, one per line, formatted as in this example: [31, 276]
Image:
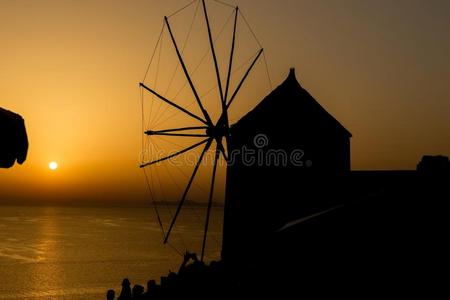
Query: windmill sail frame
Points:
[213, 132]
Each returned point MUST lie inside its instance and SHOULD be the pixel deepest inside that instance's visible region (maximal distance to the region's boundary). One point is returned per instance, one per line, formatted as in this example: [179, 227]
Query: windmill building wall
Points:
[372, 219]
[264, 195]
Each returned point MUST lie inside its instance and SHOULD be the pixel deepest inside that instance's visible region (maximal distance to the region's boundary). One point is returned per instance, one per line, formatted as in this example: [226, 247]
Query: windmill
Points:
[213, 133]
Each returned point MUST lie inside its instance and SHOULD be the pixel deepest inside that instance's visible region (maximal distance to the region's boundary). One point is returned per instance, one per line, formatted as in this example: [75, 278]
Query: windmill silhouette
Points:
[214, 134]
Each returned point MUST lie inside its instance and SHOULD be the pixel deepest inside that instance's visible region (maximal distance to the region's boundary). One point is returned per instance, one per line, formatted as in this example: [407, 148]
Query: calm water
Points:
[79, 253]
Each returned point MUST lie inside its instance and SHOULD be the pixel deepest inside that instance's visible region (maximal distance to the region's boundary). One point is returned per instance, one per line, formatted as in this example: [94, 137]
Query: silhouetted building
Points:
[289, 157]
[434, 165]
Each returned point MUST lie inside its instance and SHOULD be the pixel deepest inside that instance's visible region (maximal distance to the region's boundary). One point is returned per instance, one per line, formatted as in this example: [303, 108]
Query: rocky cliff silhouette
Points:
[13, 139]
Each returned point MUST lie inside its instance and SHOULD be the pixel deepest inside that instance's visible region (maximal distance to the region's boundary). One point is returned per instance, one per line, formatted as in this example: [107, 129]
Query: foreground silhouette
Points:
[13, 139]
[194, 280]
[388, 238]
[125, 294]
[317, 229]
[313, 226]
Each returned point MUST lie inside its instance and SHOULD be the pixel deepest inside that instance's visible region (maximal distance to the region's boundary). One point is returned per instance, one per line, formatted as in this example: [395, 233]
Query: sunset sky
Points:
[72, 68]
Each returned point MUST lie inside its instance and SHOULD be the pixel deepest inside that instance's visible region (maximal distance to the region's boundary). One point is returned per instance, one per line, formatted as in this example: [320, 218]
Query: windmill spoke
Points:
[188, 187]
[211, 194]
[222, 149]
[244, 78]
[183, 129]
[213, 51]
[155, 206]
[205, 113]
[230, 65]
[170, 132]
[175, 154]
[197, 68]
[172, 103]
[175, 134]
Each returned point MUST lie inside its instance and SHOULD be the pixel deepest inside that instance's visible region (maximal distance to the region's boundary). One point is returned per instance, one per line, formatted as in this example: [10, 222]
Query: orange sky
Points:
[72, 69]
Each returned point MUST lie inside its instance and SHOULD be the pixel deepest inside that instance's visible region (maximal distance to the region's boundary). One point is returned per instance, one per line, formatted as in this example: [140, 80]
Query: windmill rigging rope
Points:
[260, 45]
[160, 222]
[159, 216]
[181, 238]
[158, 116]
[155, 182]
[183, 48]
[250, 28]
[154, 204]
[142, 124]
[267, 71]
[175, 249]
[165, 198]
[154, 51]
[224, 3]
[181, 9]
[156, 81]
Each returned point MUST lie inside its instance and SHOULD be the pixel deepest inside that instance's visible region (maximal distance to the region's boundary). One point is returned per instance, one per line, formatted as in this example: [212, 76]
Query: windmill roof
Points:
[291, 101]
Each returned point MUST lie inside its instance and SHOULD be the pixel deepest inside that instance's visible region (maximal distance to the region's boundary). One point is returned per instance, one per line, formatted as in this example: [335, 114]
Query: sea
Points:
[52, 252]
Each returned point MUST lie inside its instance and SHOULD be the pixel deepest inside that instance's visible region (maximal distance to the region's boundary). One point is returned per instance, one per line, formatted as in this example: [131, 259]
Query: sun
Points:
[53, 165]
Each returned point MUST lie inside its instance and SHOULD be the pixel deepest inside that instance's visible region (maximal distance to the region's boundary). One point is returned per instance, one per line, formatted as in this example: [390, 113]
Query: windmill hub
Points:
[216, 132]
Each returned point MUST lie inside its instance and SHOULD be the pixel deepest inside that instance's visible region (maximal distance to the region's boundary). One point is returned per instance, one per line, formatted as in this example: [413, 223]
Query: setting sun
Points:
[53, 165]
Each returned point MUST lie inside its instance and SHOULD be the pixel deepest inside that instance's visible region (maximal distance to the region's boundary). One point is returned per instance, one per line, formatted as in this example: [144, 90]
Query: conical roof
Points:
[291, 103]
